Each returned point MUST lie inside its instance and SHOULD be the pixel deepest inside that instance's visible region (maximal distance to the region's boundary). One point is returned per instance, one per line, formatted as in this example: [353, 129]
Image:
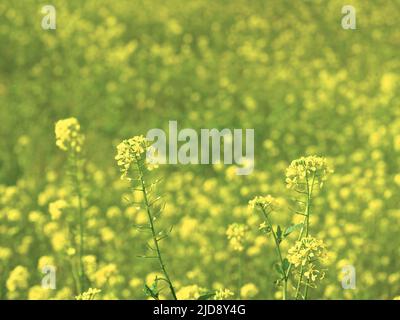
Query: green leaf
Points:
[151, 292]
[279, 234]
[292, 228]
[285, 265]
[278, 268]
[206, 296]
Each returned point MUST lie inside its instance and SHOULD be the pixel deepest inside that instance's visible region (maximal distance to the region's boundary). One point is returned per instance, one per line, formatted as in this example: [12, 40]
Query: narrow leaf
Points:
[292, 228]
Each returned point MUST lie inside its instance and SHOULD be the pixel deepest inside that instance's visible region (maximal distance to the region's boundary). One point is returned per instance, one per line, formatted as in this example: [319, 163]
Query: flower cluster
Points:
[223, 294]
[263, 202]
[191, 292]
[236, 234]
[88, 295]
[248, 291]
[68, 135]
[56, 208]
[307, 170]
[18, 279]
[310, 253]
[133, 151]
[307, 250]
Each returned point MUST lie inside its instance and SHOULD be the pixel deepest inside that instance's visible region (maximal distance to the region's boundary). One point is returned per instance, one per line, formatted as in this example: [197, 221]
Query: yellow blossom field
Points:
[85, 214]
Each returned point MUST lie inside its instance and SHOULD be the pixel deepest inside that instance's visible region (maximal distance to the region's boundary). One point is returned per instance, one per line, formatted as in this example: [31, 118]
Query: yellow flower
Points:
[38, 293]
[45, 261]
[307, 250]
[90, 264]
[18, 279]
[307, 170]
[309, 254]
[88, 295]
[192, 292]
[263, 226]
[132, 151]
[223, 294]
[5, 253]
[104, 274]
[59, 240]
[56, 208]
[248, 291]
[263, 202]
[71, 251]
[68, 135]
[64, 294]
[236, 234]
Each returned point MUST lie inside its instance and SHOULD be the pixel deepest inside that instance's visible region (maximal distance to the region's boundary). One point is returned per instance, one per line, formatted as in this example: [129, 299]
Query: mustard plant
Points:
[90, 294]
[304, 261]
[70, 139]
[135, 167]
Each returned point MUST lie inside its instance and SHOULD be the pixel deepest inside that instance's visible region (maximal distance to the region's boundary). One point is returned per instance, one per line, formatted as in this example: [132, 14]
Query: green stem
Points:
[305, 227]
[299, 283]
[278, 249]
[153, 232]
[306, 289]
[76, 278]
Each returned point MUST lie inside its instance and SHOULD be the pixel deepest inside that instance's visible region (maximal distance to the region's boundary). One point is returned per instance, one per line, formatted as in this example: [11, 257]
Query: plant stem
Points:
[76, 278]
[299, 283]
[306, 289]
[153, 232]
[305, 227]
[278, 249]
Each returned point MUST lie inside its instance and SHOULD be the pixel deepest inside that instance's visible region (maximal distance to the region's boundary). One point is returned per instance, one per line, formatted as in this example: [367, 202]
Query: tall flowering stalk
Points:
[131, 158]
[267, 205]
[306, 257]
[303, 176]
[70, 139]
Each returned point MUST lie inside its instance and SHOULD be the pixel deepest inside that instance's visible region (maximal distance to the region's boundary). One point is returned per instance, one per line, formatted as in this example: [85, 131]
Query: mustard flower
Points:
[56, 208]
[300, 171]
[18, 279]
[313, 274]
[307, 250]
[5, 253]
[191, 292]
[223, 294]
[263, 202]
[88, 295]
[68, 135]
[38, 293]
[236, 234]
[248, 291]
[45, 261]
[132, 151]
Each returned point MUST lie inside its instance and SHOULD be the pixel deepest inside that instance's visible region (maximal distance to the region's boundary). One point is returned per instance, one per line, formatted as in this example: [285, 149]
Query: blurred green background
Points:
[285, 68]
